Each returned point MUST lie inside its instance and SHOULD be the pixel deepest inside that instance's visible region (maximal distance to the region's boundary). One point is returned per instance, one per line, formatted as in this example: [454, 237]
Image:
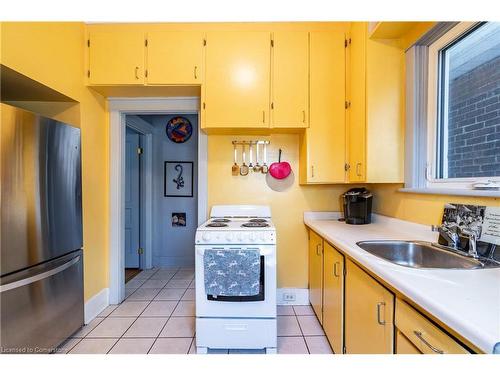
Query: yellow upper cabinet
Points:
[290, 80]
[357, 108]
[323, 144]
[175, 58]
[116, 58]
[376, 113]
[237, 80]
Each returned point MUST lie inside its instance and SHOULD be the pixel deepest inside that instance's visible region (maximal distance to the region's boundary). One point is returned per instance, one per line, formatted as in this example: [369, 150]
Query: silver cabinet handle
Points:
[263, 116]
[318, 249]
[358, 170]
[303, 116]
[136, 72]
[40, 276]
[312, 170]
[427, 343]
[379, 320]
[195, 72]
[336, 265]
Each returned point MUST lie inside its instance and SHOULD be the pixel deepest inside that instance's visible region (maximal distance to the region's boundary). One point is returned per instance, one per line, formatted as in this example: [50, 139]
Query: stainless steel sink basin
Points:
[417, 254]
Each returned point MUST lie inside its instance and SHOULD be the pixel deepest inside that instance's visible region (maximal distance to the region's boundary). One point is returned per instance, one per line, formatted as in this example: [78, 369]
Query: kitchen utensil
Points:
[235, 169]
[243, 167]
[281, 169]
[265, 168]
[250, 165]
[257, 167]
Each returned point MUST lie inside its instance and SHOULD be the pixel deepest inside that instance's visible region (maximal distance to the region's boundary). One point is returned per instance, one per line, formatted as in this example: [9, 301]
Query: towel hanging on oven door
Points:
[232, 272]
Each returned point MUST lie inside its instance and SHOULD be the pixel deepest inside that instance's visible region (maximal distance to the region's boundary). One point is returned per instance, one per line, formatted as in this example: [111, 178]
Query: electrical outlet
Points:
[288, 297]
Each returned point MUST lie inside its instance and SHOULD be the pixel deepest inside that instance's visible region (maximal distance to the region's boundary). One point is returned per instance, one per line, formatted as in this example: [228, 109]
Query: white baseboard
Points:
[96, 304]
[301, 296]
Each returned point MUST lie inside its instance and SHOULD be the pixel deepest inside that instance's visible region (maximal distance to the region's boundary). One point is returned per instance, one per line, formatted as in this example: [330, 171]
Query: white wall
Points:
[172, 246]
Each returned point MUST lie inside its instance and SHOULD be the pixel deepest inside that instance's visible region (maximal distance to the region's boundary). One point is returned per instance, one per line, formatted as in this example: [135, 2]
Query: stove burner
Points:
[221, 220]
[258, 220]
[255, 225]
[215, 225]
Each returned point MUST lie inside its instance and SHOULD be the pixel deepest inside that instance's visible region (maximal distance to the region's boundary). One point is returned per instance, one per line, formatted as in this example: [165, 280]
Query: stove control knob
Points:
[229, 236]
[262, 236]
[239, 237]
[205, 236]
[252, 237]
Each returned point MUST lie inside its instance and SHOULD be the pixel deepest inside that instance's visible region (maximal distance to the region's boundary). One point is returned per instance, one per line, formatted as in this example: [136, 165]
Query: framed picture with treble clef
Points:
[178, 177]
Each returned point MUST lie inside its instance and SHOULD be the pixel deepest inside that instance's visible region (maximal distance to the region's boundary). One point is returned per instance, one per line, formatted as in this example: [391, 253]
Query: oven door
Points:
[262, 305]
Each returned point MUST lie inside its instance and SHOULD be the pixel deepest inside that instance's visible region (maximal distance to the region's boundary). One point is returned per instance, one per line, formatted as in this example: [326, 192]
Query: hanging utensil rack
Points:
[257, 167]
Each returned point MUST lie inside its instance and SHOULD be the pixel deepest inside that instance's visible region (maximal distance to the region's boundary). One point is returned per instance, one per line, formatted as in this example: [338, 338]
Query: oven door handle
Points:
[262, 252]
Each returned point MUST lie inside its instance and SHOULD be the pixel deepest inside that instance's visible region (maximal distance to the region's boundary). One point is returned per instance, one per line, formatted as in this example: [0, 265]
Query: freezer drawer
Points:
[42, 306]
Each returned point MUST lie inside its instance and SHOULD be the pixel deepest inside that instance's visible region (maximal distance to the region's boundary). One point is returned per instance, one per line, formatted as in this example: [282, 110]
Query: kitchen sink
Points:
[419, 254]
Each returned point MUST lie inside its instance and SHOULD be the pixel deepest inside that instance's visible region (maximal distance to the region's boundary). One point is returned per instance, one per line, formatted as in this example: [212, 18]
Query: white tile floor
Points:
[158, 317]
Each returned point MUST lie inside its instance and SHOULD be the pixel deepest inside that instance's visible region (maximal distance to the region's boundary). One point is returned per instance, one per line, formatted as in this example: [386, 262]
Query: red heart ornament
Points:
[281, 169]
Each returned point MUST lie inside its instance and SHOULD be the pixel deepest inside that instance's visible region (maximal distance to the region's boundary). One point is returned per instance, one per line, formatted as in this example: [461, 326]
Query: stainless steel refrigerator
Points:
[41, 282]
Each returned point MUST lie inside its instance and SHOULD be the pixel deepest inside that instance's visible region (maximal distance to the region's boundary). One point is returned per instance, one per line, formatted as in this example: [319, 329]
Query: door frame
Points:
[118, 109]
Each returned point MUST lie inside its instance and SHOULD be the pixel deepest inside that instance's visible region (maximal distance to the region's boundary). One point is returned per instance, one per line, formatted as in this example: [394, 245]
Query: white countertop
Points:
[467, 301]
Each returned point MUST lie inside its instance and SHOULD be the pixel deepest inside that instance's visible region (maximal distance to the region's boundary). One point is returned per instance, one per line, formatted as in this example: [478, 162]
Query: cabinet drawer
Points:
[426, 336]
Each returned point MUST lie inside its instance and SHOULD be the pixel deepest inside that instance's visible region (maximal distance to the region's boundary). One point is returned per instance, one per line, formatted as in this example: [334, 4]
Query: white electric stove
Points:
[237, 322]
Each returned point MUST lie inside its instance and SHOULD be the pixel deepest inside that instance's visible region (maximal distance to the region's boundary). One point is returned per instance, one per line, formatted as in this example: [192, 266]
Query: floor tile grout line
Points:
[302, 332]
[136, 318]
[192, 342]
[156, 339]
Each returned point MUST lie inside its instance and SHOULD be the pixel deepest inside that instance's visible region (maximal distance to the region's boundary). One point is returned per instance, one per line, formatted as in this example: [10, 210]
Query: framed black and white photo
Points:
[178, 179]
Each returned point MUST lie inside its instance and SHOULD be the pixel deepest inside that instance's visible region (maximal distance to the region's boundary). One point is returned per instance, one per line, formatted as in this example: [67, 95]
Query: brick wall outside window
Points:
[474, 122]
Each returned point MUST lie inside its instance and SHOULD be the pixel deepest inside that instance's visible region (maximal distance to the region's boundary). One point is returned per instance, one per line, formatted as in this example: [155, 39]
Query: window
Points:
[468, 116]
[453, 96]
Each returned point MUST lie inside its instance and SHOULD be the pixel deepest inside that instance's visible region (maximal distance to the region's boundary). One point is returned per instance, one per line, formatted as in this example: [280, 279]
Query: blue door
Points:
[132, 200]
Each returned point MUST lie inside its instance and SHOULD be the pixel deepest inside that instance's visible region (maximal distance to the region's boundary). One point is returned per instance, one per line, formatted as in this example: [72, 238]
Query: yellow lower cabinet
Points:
[333, 296]
[405, 346]
[422, 333]
[316, 274]
[369, 323]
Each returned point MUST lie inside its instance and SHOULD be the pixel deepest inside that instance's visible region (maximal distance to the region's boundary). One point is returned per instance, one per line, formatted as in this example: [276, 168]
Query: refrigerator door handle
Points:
[40, 276]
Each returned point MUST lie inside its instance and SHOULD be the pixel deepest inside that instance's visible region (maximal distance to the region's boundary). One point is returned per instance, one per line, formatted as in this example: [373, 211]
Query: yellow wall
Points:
[287, 207]
[420, 208]
[52, 54]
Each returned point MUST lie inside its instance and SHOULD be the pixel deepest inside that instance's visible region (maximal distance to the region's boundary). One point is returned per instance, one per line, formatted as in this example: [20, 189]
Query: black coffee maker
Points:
[357, 206]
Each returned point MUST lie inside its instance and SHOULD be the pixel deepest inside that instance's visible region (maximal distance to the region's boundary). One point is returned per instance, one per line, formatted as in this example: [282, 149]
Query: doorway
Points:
[130, 112]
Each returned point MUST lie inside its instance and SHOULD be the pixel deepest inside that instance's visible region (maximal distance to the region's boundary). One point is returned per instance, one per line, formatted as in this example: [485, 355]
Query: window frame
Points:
[434, 97]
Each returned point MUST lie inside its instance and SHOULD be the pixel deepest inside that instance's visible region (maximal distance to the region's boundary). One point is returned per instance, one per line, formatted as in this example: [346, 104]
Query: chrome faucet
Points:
[450, 235]
[473, 236]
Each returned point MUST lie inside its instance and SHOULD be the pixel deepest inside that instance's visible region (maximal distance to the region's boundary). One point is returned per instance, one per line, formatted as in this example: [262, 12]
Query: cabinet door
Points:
[316, 273]
[423, 334]
[237, 80]
[326, 133]
[116, 58]
[369, 314]
[175, 58]
[333, 296]
[290, 89]
[357, 109]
